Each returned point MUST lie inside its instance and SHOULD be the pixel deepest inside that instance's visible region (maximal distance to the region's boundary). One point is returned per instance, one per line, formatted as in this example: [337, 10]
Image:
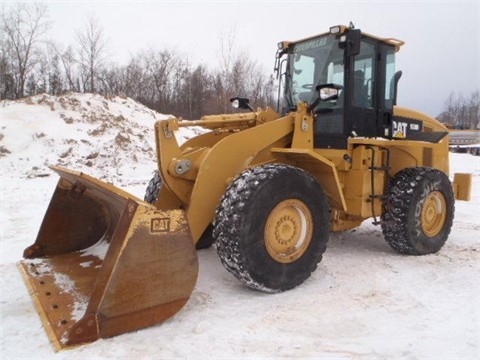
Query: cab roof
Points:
[342, 29]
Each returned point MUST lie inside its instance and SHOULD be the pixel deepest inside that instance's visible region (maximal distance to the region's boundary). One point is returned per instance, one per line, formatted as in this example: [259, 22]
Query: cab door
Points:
[362, 115]
[371, 89]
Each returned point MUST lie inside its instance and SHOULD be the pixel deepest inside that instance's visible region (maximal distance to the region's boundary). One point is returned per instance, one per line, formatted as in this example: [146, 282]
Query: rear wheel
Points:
[151, 196]
[272, 227]
[418, 215]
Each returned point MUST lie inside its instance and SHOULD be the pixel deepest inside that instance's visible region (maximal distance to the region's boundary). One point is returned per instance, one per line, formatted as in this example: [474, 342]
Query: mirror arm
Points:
[314, 104]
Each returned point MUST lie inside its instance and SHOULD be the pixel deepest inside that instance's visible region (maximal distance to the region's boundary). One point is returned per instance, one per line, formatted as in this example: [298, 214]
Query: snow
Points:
[99, 250]
[364, 301]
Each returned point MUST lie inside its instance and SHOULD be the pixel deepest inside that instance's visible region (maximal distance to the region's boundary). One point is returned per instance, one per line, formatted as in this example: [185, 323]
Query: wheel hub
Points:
[288, 230]
[434, 213]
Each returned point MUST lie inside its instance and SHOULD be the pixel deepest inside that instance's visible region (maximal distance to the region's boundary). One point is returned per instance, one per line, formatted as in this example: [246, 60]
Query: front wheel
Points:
[272, 227]
[153, 188]
[418, 214]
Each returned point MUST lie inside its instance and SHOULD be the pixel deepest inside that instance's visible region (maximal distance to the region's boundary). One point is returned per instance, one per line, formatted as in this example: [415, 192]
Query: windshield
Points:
[310, 63]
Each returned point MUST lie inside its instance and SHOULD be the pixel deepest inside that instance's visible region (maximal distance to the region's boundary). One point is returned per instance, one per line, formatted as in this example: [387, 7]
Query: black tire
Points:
[418, 215]
[151, 196]
[262, 213]
[206, 240]
[153, 188]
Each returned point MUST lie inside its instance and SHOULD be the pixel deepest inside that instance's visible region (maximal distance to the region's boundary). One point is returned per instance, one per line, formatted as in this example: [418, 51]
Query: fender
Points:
[322, 168]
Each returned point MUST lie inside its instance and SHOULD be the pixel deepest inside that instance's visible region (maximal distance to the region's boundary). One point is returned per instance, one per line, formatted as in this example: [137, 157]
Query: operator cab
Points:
[348, 79]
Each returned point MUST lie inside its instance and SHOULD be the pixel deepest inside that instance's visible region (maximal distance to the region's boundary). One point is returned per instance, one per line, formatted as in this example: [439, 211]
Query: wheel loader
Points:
[265, 186]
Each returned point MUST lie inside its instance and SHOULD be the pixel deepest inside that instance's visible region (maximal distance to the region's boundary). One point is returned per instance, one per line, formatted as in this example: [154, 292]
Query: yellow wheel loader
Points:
[267, 187]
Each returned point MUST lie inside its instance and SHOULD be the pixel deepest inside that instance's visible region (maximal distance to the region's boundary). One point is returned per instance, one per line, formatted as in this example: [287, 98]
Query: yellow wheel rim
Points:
[434, 213]
[288, 231]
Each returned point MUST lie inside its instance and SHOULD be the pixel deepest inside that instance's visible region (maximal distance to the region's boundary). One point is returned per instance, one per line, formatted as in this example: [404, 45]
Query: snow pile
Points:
[110, 138]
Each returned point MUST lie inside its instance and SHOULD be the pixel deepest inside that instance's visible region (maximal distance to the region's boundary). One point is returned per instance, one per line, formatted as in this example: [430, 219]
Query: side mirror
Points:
[241, 103]
[326, 92]
[352, 41]
[329, 92]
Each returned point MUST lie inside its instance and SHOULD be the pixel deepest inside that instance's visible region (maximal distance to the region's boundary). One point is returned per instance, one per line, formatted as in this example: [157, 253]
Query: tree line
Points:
[162, 79]
[462, 111]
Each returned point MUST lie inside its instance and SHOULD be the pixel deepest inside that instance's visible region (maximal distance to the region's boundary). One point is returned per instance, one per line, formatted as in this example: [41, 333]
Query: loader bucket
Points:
[105, 263]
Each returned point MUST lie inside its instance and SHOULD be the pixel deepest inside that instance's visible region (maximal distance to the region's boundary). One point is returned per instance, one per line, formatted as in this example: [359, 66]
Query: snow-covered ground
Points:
[364, 301]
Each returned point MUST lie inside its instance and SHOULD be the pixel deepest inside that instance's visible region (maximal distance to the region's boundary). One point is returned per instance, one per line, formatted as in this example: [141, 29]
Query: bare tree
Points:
[7, 86]
[136, 79]
[23, 28]
[55, 78]
[227, 54]
[198, 91]
[161, 67]
[113, 81]
[191, 91]
[92, 52]
[474, 110]
[239, 75]
[461, 112]
[68, 60]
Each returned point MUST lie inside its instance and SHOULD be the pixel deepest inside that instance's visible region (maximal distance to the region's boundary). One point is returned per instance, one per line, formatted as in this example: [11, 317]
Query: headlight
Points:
[335, 30]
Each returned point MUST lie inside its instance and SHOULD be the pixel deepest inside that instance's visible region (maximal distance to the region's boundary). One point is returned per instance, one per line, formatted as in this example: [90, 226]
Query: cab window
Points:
[363, 76]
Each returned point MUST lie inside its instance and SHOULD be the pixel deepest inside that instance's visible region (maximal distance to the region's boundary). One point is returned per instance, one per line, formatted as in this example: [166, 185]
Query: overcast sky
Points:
[441, 55]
